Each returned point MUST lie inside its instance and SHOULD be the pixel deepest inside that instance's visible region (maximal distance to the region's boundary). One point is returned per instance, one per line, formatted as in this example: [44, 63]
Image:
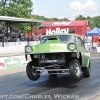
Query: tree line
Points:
[24, 9]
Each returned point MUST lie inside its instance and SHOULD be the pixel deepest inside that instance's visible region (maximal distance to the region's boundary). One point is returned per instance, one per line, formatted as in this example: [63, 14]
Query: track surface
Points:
[18, 87]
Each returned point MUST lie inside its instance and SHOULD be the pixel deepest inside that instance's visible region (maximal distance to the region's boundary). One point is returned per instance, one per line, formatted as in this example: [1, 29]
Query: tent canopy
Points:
[94, 32]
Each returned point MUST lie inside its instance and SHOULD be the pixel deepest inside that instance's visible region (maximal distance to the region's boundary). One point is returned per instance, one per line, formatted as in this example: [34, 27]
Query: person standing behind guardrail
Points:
[98, 42]
[87, 41]
[8, 39]
[19, 37]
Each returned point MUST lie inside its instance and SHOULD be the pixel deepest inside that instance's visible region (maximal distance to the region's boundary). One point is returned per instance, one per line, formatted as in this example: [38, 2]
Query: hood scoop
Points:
[53, 40]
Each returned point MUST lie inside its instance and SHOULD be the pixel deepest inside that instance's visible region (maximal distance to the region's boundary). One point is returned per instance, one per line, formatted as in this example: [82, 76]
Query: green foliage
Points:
[80, 17]
[24, 9]
[17, 8]
[94, 21]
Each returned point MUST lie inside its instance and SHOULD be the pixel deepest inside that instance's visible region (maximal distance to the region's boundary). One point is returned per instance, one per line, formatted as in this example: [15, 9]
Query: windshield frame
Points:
[63, 38]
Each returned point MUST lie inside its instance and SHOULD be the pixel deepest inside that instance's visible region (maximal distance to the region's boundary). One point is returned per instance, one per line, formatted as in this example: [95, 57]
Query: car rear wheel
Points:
[31, 72]
[87, 71]
[75, 69]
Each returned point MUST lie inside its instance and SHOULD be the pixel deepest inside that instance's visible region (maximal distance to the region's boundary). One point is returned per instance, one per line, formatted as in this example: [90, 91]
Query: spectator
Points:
[19, 37]
[13, 39]
[6, 34]
[5, 39]
[0, 35]
[39, 37]
[22, 37]
[98, 43]
[87, 41]
[8, 39]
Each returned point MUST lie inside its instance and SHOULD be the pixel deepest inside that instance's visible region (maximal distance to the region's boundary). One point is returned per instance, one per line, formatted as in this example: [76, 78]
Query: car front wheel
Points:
[75, 69]
[31, 72]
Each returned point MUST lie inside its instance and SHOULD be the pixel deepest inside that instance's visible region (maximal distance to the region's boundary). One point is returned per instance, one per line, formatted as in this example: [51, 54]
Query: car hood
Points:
[50, 47]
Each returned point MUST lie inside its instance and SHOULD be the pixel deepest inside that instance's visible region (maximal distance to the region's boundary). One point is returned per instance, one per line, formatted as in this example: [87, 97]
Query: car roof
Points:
[71, 34]
[62, 34]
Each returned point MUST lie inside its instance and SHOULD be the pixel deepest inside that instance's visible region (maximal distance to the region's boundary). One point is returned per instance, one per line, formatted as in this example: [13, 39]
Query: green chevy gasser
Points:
[58, 53]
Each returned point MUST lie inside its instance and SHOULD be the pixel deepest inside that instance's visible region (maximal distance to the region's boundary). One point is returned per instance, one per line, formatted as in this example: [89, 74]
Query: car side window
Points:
[43, 40]
[83, 44]
[76, 40]
[80, 42]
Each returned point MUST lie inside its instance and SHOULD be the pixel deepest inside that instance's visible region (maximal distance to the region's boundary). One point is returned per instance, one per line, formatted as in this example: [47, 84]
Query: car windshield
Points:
[63, 38]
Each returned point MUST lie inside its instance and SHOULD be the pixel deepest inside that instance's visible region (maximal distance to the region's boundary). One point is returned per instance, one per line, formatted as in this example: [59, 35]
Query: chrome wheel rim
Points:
[34, 72]
[77, 69]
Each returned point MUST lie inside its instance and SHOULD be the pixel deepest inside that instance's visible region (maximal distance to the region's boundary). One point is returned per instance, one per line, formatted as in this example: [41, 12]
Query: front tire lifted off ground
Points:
[32, 73]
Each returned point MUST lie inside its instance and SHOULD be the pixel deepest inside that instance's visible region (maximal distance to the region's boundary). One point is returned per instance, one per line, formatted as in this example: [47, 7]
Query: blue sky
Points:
[66, 8]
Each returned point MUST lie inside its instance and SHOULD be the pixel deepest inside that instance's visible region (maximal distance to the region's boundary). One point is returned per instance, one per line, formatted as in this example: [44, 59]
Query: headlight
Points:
[71, 47]
[28, 49]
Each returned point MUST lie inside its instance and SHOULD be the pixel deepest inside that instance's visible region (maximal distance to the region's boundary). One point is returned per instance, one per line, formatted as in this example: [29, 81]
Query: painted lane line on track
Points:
[95, 96]
[95, 58]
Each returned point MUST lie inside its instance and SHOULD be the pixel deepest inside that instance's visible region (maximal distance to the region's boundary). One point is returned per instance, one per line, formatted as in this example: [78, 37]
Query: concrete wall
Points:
[15, 47]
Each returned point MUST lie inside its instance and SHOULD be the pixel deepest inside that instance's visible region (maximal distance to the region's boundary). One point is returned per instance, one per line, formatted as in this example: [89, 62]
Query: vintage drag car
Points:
[58, 54]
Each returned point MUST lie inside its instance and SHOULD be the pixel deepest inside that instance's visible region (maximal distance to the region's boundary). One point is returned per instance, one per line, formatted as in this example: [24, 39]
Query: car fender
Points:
[88, 63]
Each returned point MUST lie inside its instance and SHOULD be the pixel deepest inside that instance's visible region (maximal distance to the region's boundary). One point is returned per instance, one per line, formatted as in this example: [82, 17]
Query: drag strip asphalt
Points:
[17, 86]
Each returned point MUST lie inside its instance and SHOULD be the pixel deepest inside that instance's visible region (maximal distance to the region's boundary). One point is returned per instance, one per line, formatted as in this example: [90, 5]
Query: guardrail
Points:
[15, 47]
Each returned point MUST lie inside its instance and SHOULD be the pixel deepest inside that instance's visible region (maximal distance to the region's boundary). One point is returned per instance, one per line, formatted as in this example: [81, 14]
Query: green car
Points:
[57, 54]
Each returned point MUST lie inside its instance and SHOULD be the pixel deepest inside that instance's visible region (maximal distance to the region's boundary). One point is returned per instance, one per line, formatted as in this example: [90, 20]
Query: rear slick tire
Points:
[75, 69]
